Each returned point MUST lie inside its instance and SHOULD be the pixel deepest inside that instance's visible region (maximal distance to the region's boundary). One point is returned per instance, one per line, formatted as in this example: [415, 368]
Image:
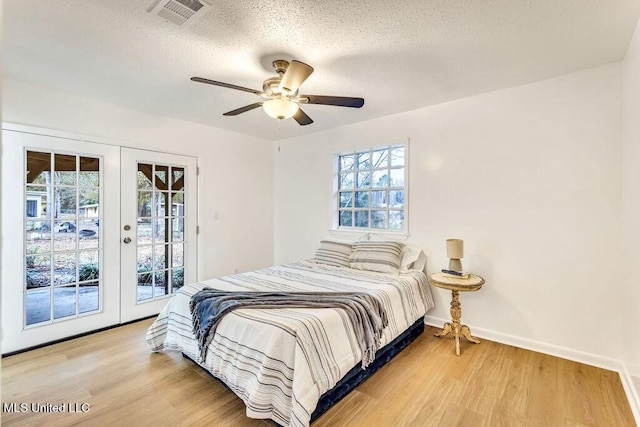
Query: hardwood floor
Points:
[426, 385]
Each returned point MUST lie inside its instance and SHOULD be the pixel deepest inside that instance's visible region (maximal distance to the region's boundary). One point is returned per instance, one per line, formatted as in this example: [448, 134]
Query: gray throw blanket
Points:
[366, 312]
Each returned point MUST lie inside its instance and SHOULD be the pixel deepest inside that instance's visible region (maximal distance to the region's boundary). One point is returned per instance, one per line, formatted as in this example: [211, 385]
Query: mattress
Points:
[280, 361]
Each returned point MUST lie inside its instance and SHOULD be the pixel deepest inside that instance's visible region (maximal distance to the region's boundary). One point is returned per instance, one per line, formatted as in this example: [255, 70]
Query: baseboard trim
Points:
[632, 392]
[562, 352]
[634, 369]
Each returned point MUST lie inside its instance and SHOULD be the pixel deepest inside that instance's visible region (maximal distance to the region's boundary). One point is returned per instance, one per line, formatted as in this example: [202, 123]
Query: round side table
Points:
[456, 285]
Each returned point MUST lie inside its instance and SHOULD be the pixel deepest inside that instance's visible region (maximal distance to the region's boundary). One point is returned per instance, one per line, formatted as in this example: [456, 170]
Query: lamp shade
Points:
[455, 248]
[280, 108]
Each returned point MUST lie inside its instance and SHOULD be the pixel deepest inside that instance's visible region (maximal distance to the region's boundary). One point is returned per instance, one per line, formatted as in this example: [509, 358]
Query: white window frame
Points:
[336, 193]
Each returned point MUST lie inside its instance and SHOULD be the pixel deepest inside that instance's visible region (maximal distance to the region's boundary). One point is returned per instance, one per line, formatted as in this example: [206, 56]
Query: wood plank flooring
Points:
[426, 385]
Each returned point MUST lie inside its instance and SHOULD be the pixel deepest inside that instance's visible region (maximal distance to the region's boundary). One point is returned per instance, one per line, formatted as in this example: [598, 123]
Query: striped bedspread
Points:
[280, 361]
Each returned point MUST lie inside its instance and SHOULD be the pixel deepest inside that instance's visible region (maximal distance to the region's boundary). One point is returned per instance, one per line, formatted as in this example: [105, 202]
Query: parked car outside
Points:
[65, 227]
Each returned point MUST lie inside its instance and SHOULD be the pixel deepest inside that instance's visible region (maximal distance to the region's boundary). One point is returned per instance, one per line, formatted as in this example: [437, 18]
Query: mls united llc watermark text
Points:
[39, 407]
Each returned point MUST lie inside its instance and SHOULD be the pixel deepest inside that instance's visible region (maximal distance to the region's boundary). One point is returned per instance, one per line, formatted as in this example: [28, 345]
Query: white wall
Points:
[529, 177]
[631, 194]
[236, 171]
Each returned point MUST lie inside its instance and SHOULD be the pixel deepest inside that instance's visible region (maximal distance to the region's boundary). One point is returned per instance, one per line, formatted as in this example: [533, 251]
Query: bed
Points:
[291, 364]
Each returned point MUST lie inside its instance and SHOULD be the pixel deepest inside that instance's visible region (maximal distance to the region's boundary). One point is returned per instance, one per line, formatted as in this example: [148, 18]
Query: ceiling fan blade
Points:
[243, 109]
[227, 85]
[302, 118]
[296, 74]
[339, 101]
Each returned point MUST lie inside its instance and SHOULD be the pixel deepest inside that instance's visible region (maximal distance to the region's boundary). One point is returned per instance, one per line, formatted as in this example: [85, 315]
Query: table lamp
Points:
[455, 252]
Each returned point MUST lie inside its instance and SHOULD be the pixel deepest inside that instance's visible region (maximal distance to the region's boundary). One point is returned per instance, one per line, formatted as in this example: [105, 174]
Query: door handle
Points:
[127, 240]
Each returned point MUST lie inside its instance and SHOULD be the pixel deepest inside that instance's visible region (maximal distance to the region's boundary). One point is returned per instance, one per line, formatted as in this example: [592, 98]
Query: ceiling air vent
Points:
[180, 12]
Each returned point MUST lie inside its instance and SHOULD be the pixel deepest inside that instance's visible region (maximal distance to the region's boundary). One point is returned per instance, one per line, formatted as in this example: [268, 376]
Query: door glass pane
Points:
[64, 236]
[66, 171]
[88, 297]
[160, 257]
[162, 208]
[64, 301]
[145, 208]
[89, 202]
[65, 202]
[38, 237]
[38, 168]
[177, 183]
[64, 270]
[38, 306]
[177, 224]
[145, 282]
[39, 228]
[62, 244]
[144, 258]
[88, 265]
[177, 255]
[145, 176]
[89, 172]
[161, 283]
[144, 233]
[37, 201]
[160, 178]
[159, 230]
[89, 234]
[38, 272]
[178, 235]
[177, 199]
[177, 278]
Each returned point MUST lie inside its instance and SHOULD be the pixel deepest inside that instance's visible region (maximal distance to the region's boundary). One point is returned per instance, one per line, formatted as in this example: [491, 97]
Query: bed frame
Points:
[356, 375]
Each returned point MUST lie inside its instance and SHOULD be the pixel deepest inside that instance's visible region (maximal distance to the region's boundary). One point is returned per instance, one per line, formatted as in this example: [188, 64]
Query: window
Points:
[371, 189]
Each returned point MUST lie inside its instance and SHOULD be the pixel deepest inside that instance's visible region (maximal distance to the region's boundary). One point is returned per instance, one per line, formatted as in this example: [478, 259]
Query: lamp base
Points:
[455, 264]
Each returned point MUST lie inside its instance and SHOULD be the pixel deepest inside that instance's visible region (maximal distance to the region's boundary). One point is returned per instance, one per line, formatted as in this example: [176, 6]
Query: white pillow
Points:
[410, 255]
[421, 263]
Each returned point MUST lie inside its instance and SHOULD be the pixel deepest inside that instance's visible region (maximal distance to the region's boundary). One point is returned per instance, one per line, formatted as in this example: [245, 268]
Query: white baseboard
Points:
[632, 392]
[565, 353]
[634, 369]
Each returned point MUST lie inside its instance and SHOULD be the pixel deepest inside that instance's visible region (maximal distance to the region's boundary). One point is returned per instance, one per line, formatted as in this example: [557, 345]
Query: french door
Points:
[158, 237]
[93, 235]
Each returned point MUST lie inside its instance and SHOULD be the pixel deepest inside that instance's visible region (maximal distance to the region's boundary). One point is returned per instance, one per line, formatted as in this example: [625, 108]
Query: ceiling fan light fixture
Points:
[280, 108]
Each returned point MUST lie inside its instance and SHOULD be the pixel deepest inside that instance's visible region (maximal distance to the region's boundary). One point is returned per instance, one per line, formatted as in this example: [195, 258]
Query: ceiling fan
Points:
[281, 93]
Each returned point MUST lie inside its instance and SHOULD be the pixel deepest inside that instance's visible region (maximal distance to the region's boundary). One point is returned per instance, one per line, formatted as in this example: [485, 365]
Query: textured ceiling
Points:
[398, 55]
